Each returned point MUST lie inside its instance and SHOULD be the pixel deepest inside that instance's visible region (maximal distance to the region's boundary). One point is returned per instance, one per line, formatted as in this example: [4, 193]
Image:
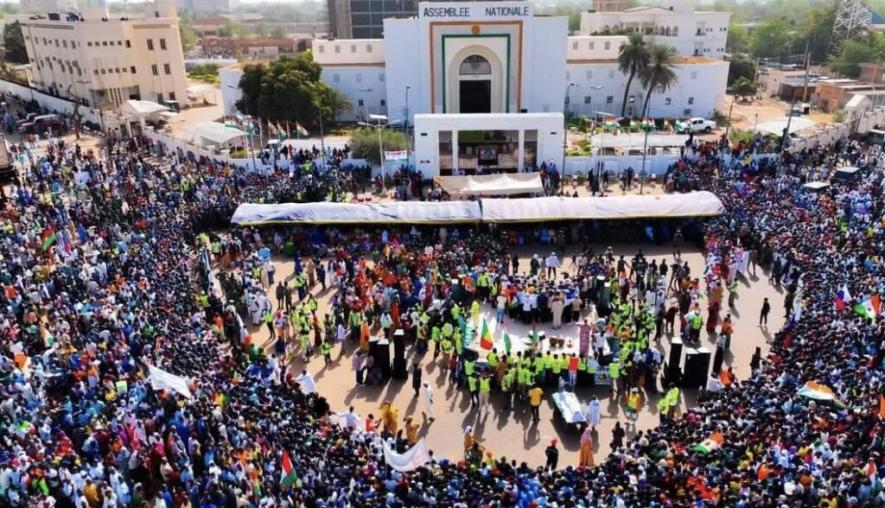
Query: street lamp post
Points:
[601, 140]
[406, 120]
[564, 137]
[378, 127]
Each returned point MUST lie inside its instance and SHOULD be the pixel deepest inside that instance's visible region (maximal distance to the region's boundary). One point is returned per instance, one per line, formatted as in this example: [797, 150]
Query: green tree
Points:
[817, 30]
[660, 72]
[771, 39]
[854, 52]
[14, 43]
[633, 58]
[738, 39]
[188, 35]
[364, 143]
[741, 66]
[289, 89]
[743, 87]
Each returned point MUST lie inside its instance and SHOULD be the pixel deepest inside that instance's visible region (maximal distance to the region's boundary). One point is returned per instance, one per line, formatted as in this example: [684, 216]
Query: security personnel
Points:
[436, 337]
[473, 387]
[614, 372]
[326, 350]
[492, 359]
[592, 368]
[732, 292]
[696, 322]
[485, 387]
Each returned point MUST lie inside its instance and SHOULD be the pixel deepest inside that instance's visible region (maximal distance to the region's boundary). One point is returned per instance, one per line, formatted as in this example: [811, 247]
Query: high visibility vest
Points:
[492, 358]
[485, 385]
[471, 384]
[435, 334]
[633, 402]
[614, 370]
[696, 321]
[468, 368]
[325, 348]
[446, 345]
[592, 365]
[557, 366]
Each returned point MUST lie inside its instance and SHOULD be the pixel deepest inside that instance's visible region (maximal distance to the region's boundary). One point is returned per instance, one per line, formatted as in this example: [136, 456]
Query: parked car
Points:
[42, 124]
[696, 124]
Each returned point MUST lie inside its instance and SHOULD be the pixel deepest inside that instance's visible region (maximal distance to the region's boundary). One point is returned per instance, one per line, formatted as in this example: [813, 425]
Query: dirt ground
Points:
[511, 433]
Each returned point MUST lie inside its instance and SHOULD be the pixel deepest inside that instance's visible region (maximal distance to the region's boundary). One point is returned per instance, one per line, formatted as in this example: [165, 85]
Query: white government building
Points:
[485, 84]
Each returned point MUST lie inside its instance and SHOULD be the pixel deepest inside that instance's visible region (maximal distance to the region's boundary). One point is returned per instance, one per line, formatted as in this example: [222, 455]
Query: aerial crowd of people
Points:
[106, 267]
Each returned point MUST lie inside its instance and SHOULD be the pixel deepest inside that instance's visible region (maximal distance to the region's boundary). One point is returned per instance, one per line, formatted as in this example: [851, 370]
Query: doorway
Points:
[476, 96]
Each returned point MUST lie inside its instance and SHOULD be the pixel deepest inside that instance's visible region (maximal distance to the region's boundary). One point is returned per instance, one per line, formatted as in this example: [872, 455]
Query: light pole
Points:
[601, 139]
[646, 128]
[564, 137]
[378, 127]
[406, 120]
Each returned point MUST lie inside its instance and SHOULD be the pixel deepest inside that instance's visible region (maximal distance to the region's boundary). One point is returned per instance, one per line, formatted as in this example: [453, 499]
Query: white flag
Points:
[412, 459]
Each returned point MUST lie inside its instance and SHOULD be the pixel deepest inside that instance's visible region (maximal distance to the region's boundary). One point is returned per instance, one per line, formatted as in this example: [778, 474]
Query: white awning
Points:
[141, 108]
[491, 185]
[395, 212]
[663, 206]
[215, 132]
[777, 126]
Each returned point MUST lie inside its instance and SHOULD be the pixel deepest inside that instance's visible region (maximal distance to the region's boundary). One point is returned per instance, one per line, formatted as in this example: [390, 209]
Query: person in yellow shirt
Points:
[411, 431]
[389, 418]
[535, 396]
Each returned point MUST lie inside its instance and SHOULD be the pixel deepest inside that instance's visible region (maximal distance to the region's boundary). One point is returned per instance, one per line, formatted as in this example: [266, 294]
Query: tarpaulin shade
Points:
[141, 108]
[215, 132]
[692, 204]
[491, 185]
[394, 212]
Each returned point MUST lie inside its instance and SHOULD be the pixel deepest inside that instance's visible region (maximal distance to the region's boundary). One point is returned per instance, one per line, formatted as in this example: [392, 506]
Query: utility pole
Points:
[793, 104]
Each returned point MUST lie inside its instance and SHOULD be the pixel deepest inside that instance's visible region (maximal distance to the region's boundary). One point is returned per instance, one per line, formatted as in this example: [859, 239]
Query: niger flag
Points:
[485, 339]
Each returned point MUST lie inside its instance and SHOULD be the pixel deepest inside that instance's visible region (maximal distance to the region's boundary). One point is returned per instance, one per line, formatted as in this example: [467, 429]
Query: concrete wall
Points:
[359, 83]
[47, 101]
[230, 89]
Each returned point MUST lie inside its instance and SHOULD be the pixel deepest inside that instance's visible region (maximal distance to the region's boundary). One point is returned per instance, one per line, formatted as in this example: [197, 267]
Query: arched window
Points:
[675, 31]
[475, 65]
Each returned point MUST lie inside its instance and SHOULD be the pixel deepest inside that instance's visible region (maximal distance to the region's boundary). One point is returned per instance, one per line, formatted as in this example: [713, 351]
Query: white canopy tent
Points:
[663, 206]
[394, 212]
[141, 109]
[214, 132]
[777, 126]
[491, 185]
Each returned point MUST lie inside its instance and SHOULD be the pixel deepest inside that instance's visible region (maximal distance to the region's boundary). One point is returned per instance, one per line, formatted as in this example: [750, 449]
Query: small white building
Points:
[672, 22]
[99, 58]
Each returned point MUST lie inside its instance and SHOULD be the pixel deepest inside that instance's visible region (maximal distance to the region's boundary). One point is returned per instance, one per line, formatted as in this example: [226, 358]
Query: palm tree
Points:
[632, 59]
[659, 73]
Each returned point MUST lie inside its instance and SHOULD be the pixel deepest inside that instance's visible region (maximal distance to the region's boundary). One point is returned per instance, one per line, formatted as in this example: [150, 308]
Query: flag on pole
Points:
[301, 130]
[288, 476]
[865, 309]
[485, 340]
[843, 298]
[287, 129]
[882, 406]
[876, 302]
[507, 343]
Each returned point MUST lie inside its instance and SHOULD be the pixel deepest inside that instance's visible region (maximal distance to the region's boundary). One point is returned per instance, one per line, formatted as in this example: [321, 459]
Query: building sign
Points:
[474, 11]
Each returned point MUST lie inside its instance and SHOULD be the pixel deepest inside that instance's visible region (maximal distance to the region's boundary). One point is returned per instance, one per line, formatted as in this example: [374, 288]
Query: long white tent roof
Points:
[692, 204]
[215, 132]
[394, 212]
[491, 185]
[663, 206]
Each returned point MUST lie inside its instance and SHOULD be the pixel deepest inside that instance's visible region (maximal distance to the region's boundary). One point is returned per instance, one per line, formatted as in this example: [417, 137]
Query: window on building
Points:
[588, 99]
[44, 42]
[104, 43]
[95, 72]
[125, 70]
[154, 70]
[103, 71]
[150, 43]
[163, 44]
[64, 44]
[667, 101]
[73, 45]
[132, 69]
[116, 70]
[89, 43]
[691, 100]
[575, 45]
[368, 48]
[591, 45]
[167, 69]
[322, 48]
[359, 102]
[160, 98]
[128, 43]
[609, 99]
[383, 103]
[353, 48]
[608, 45]
[337, 49]
[171, 96]
[56, 43]
[381, 77]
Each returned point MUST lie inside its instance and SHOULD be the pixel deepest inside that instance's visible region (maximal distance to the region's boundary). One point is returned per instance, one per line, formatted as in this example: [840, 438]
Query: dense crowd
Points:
[104, 274]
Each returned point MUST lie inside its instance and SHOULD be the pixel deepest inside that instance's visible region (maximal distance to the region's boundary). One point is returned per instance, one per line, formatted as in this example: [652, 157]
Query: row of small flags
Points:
[868, 308]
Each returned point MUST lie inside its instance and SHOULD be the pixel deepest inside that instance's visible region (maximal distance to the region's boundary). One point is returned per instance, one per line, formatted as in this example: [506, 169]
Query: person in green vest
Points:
[664, 410]
[492, 359]
[474, 311]
[459, 343]
[473, 388]
[326, 350]
[507, 387]
[436, 337]
[267, 319]
[469, 368]
[614, 372]
[485, 387]
[355, 319]
[696, 322]
[732, 292]
[556, 368]
[592, 368]
[312, 304]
